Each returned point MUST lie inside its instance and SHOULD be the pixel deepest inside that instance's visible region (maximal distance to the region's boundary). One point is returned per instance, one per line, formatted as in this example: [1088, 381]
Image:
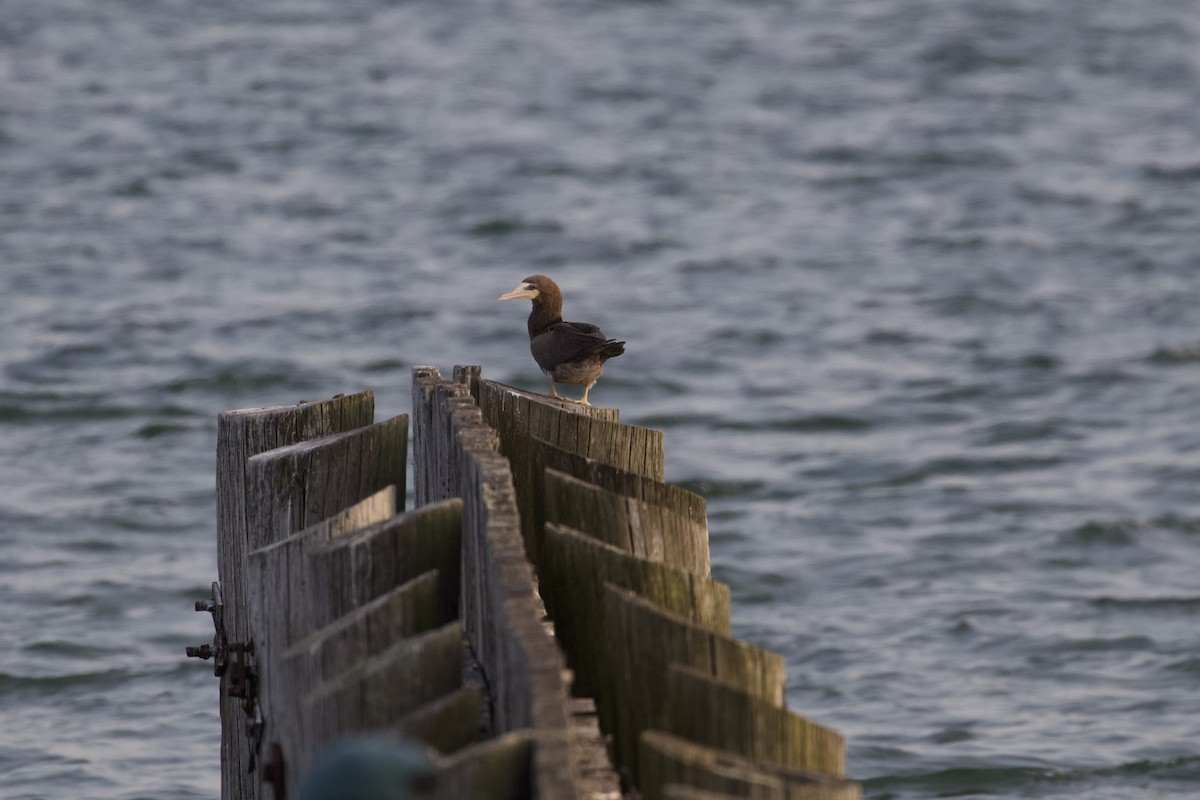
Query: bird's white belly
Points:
[577, 373]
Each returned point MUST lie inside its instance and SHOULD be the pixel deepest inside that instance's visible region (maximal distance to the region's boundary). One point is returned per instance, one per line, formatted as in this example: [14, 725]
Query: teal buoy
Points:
[371, 768]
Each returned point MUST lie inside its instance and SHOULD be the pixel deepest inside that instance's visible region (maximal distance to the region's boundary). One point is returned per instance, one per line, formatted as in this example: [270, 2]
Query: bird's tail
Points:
[611, 348]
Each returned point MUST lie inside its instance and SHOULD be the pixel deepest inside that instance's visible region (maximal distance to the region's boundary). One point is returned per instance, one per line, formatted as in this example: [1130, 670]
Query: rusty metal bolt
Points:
[253, 728]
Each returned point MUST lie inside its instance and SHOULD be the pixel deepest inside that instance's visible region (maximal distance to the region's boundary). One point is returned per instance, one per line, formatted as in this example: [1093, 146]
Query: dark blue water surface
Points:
[911, 286]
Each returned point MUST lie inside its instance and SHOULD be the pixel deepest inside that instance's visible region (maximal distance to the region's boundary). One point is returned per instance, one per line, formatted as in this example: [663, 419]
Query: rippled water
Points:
[911, 287]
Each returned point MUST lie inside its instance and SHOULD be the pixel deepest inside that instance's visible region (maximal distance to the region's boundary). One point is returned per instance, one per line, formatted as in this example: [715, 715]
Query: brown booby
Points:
[567, 352]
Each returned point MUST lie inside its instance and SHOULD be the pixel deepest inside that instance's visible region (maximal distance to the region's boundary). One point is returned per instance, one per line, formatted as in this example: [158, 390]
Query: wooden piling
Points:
[502, 613]
[348, 611]
[351, 599]
[352, 616]
[240, 435]
[289, 489]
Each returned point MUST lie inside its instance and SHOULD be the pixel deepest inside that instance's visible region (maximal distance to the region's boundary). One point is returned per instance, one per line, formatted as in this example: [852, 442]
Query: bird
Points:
[568, 352]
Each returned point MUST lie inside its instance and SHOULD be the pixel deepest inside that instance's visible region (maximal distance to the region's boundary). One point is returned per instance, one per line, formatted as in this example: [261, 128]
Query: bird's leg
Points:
[587, 387]
[553, 391]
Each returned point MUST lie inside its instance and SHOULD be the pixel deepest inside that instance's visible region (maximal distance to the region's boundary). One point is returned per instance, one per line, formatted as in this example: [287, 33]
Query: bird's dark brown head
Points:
[547, 302]
[538, 288]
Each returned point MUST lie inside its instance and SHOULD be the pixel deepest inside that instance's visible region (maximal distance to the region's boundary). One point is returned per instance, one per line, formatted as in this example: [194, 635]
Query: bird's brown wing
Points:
[586, 327]
[565, 341]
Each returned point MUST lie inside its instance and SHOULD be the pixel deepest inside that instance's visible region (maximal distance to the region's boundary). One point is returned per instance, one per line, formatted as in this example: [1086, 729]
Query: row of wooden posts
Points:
[545, 619]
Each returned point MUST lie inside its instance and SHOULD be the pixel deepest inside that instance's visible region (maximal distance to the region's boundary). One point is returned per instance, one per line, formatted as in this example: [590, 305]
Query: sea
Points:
[911, 286]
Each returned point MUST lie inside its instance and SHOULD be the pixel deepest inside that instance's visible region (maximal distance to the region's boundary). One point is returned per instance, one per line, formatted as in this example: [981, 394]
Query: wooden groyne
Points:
[545, 619]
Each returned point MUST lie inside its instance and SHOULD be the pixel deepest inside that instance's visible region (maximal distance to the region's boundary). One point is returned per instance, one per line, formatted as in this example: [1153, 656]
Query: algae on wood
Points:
[643, 641]
[651, 531]
[574, 571]
[668, 760]
[707, 711]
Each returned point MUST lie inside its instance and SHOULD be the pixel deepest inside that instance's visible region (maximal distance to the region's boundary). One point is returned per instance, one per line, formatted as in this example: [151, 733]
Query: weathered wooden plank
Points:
[513, 402]
[241, 434]
[406, 611]
[328, 578]
[290, 488]
[333, 584]
[648, 530]
[710, 712]
[498, 769]
[514, 415]
[574, 570]
[589, 431]
[383, 688]
[447, 724]
[501, 610]
[689, 505]
[469, 375]
[437, 447]
[378, 557]
[643, 640]
[283, 583]
[671, 760]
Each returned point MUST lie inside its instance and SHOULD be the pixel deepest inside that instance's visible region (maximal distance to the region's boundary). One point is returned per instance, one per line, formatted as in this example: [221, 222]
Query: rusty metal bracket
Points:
[231, 663]
[218, 650]
[241, 681]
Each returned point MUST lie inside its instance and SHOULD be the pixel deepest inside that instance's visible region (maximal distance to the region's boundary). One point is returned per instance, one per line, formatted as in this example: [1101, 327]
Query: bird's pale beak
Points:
[524, 291]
